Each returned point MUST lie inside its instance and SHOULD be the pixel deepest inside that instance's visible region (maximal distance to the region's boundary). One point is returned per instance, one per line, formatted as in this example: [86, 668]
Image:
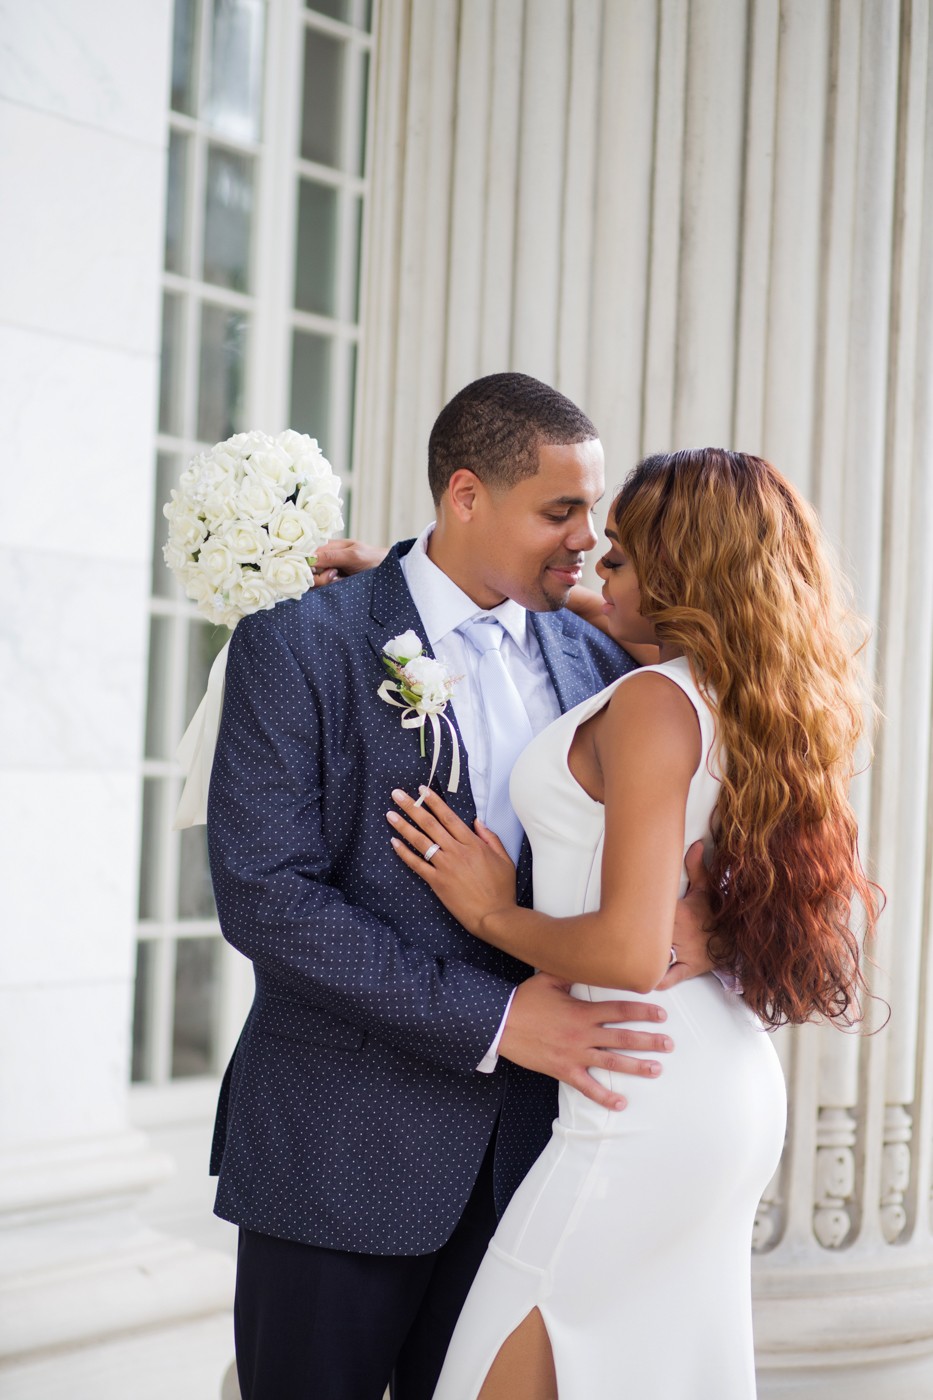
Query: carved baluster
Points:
[766, 1216]
[835, 1176]
[895, 1170]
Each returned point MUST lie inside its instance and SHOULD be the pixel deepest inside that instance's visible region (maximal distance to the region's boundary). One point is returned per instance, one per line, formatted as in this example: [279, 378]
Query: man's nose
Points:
[583, 536]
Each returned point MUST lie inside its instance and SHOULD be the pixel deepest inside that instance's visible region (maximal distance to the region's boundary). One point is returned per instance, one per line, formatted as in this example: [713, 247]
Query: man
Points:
[396, 1078]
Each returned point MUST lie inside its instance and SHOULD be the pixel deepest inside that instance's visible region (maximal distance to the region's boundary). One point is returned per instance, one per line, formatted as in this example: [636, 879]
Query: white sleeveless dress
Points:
[632, 1231]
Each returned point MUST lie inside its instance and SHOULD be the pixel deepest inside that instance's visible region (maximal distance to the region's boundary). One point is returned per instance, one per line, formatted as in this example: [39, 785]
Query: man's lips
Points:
[567, 573]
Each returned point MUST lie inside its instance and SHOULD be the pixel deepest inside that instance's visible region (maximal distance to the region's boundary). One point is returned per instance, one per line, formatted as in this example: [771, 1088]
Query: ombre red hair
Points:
[733, 568]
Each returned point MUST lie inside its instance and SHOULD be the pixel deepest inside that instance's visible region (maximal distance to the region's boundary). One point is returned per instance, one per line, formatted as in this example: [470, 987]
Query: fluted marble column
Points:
[712, 221]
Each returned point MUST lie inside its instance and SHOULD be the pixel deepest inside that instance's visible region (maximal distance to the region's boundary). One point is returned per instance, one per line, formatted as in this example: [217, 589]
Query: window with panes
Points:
[267, 170]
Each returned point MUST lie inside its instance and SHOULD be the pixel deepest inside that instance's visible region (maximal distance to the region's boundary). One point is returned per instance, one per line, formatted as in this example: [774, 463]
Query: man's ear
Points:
[462, 491]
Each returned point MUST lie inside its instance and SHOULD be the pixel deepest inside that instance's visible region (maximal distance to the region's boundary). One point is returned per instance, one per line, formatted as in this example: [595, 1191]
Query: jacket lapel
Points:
[393, 611]
[566, 659]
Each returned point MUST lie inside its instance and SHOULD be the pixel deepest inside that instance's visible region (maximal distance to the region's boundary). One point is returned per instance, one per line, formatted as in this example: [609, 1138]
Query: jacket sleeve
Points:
[273, 874]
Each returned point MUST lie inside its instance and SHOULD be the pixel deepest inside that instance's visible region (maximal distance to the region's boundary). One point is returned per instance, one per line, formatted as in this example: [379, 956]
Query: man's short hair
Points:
[494, 428]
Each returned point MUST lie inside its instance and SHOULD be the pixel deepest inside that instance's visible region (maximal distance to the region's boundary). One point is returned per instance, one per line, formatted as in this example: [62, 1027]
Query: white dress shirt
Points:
[443, 607]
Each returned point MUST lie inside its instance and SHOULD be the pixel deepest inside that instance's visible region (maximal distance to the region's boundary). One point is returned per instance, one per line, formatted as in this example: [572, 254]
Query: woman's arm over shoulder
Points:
[589, 606]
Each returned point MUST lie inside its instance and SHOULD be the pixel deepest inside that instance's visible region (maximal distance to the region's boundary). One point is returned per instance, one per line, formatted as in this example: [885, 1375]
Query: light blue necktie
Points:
[507, 725]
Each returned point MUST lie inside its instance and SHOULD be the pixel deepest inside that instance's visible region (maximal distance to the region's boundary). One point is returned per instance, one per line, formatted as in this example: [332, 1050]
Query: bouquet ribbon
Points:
[195, 753]
[414, 718]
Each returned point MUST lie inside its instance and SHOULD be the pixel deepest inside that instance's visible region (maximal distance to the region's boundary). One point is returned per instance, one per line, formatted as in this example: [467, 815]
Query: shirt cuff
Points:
[491, 1058]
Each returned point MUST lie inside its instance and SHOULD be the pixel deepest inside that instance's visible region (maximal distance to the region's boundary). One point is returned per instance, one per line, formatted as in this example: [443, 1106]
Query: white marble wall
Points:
[82, 154]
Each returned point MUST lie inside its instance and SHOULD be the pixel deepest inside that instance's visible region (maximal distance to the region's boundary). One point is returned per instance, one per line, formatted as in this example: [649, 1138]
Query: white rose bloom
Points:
[198, 587]
[175, 504]
[322, 506]
[307, 458]
[218, 565]
[245, 540]
[258, 499]
[292, 529]
[175, 556]
[187, 530]
[404, 647]
[253, 593]
[220, 504]
[273, 464]
[424, 670]
[289, 574]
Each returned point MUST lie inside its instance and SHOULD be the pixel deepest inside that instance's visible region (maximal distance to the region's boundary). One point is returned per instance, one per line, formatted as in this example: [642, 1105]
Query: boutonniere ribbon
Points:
[425, 688]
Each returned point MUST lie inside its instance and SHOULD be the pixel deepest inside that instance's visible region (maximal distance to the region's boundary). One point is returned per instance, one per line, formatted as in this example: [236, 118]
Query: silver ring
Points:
[432, 850]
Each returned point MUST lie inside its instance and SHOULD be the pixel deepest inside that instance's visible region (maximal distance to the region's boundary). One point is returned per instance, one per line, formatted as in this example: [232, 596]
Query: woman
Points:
[621, 1266]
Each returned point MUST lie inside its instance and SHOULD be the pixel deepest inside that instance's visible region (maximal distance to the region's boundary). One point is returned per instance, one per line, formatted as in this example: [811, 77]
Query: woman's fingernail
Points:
[422, 788]
[392, 817]
[395, 842]
[399, 795]
[668, 1043]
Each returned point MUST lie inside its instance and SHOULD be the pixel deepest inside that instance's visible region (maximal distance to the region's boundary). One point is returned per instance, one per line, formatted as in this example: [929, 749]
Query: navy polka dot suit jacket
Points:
[352, 1115]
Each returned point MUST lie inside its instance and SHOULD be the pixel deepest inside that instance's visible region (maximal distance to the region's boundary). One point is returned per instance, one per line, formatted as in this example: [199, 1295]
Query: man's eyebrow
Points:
[567, 501]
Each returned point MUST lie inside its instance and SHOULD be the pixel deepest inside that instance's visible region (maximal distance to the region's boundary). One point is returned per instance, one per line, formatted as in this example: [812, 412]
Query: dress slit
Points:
[535, 1307]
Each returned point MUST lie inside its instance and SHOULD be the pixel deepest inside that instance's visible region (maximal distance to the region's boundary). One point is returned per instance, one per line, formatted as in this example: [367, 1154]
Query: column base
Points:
[864, 1333]
[77, 1266]
[905, 1377]
[187, 1362]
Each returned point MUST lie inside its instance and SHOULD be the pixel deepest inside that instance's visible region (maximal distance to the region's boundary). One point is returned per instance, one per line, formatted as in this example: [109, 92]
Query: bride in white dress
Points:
[621, 1267]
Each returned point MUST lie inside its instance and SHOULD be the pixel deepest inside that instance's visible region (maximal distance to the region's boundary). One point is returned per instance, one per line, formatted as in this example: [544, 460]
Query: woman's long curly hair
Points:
[734, 569]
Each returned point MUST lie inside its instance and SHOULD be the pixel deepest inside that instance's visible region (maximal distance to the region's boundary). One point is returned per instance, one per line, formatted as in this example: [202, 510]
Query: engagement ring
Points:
[432, 850]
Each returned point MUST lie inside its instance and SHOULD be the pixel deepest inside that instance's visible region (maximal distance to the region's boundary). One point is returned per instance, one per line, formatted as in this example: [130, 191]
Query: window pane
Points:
[351, 409]
[316, 252]
[357, 258]
[228, 208]
[221, 373]
[142, 1010]
[310, 405]
[183, 51]
[150, 851]
[364, 109]
[196, 985]
[170, 373]
[323, 84]
[355, 12]
[175, 202]
[166, 476]
[204, 642]
[157, 735]
[195, 892]
[234, 103]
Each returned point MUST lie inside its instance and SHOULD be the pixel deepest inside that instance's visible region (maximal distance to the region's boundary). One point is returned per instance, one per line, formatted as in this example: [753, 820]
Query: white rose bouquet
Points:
[244, 526]
[425, 686]
[246, 522]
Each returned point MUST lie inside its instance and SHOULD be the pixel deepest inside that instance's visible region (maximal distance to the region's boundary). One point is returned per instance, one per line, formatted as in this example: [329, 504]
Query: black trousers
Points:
[324, 1324]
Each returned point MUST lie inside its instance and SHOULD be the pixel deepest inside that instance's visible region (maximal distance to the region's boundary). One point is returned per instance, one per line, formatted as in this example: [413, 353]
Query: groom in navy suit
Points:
[396, 1078]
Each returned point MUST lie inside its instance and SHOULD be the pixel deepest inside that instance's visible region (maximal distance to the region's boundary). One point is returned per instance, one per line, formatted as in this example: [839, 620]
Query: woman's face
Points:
[622, 595]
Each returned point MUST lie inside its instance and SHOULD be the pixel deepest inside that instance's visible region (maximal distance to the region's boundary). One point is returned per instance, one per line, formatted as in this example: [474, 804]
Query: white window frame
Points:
[272, 319]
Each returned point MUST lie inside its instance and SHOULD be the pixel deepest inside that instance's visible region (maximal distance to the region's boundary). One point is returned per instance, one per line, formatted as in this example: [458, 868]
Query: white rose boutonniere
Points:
[426, 687]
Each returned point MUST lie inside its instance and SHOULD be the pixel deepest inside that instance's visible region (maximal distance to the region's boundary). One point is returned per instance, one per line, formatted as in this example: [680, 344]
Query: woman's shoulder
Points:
[658, 708]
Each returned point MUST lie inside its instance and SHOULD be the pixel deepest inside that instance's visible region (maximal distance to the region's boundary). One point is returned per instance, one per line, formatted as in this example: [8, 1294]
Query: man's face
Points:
[532, 539]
